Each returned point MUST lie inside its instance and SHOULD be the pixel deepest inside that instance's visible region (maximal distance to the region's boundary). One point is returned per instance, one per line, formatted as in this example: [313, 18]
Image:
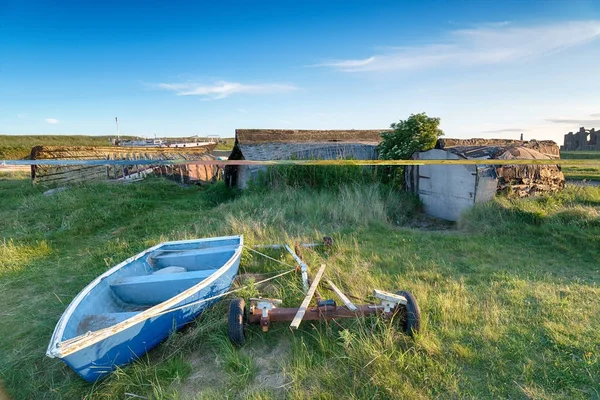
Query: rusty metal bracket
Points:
[263, 306]
[389, 301]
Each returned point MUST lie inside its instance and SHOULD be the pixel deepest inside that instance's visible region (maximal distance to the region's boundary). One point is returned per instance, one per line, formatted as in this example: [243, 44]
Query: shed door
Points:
[446, 190]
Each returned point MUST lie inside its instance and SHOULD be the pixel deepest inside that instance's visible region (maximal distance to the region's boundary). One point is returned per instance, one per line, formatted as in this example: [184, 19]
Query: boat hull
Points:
[100, 359]
[99, 331]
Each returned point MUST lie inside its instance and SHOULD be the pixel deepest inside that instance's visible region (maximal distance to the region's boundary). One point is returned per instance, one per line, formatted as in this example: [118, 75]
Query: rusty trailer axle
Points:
[326, 312]
[264, 311]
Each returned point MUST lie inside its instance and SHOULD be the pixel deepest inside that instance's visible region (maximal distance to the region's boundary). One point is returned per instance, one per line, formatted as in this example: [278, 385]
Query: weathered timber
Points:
[304, 306]
[62, 174]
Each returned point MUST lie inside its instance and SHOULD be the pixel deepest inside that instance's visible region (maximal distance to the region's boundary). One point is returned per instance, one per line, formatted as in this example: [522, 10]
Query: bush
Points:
[418, 133]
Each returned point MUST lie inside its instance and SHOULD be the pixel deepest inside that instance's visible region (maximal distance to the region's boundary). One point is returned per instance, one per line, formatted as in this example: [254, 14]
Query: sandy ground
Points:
[209, 372]
[3, 394]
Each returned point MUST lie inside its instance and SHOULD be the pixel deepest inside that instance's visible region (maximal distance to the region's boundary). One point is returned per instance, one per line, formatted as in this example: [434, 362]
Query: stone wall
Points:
[584, 139]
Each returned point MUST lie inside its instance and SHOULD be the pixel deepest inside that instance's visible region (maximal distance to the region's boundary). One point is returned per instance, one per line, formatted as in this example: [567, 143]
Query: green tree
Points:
[417, 133]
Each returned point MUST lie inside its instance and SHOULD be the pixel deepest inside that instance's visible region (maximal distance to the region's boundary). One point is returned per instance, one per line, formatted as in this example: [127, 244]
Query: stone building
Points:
[585, 139]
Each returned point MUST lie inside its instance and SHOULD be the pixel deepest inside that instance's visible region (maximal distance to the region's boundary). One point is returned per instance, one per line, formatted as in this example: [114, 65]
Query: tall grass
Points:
[509, 299]
[316, 177]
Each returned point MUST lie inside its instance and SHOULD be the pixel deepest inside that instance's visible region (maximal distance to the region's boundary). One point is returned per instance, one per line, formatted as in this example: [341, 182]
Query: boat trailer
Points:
[263, 311]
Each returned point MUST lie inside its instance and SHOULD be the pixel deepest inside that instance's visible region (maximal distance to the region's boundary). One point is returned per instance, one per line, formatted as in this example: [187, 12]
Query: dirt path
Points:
[3, 394]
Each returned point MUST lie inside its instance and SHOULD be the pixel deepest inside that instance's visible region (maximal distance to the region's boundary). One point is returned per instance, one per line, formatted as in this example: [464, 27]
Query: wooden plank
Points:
[342, 296]
[311, 291]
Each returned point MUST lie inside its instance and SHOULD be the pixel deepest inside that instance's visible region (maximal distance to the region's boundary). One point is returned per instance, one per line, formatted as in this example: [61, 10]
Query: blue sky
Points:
[178, 68]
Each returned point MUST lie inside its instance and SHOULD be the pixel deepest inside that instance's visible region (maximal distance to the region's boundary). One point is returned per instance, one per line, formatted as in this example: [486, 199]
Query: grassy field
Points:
[14, 147]
[581, 173]
[509, 296]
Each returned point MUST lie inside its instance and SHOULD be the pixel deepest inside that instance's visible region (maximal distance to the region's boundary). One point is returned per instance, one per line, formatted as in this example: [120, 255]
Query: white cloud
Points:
[22, 115]
[575, 121]
[593, 119]
[52, 121]
[222, 89]
[485, 45]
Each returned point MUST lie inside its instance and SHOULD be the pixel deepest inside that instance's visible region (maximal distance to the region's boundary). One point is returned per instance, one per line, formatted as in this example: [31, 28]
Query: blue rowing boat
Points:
[135, 305]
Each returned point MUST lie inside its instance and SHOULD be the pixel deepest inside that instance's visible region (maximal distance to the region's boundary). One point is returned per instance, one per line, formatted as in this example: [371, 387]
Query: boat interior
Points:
[147, 281]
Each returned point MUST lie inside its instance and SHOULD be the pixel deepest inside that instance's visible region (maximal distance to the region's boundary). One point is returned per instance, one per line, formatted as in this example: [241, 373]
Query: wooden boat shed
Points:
[446, 191]
[276, 144]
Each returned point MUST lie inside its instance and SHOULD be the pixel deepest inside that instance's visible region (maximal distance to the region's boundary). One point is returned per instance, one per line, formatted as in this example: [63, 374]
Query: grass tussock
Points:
[576, 207]
[509, 299]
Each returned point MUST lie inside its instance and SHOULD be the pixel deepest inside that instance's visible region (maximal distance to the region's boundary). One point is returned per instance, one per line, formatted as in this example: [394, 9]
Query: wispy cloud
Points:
[593, 119]
[22, 115]
[485, 45]
[506, 130]
[52, 121]
[222, 89]
[575, 121]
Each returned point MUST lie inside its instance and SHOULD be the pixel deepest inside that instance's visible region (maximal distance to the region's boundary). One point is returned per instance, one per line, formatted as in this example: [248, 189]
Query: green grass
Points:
[581, 172]
[576, 155]
[509, 296]
[13, 147]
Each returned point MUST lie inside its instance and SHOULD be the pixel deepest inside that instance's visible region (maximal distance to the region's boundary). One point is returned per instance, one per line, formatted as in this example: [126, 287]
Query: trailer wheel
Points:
[411, 313]
[236, 324]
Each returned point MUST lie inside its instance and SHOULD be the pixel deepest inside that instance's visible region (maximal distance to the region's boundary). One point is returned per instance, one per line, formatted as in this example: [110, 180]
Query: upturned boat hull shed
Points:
[279, 144]
[446, 191]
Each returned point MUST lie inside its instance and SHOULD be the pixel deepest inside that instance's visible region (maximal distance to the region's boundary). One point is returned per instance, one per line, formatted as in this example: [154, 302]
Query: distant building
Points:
[585, 139]
[275, 144]
[446, 191]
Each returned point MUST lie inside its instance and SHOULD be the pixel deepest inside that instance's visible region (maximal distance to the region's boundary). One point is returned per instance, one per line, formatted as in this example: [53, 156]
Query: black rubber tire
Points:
[236, 324]
[411, 316]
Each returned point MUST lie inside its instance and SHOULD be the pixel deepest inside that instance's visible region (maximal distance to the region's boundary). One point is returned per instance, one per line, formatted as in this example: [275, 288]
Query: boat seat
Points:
[155, 288]
[95, 322]
[193, 259]
[169, 270]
